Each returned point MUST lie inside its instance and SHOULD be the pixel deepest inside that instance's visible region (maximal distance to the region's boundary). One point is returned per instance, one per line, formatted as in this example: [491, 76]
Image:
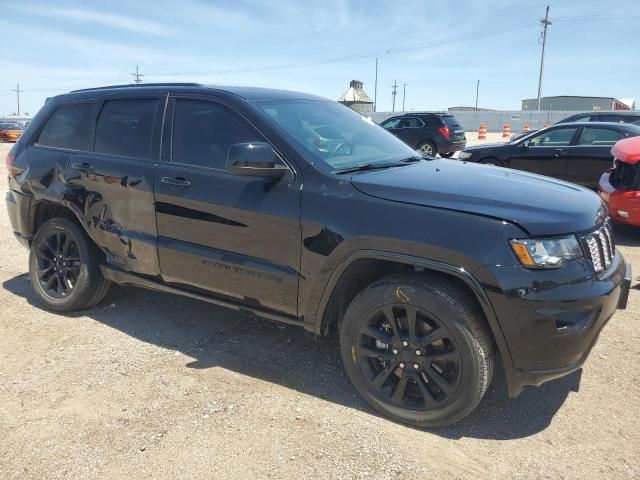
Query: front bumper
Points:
[551, 319]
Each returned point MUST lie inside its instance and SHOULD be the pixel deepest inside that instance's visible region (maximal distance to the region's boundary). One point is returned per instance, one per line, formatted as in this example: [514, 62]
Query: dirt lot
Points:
[152, 385]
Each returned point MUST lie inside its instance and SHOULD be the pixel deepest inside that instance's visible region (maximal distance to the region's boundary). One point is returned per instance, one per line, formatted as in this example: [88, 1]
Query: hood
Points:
[540, 205]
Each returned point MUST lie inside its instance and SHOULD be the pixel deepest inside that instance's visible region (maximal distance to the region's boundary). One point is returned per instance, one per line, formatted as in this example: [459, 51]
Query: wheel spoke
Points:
[50, 246]
[375, 353]
[433, 336]
[427, 396]
[68, 286]
[391, 318]
[374, 332]
[401, 387]
[380, 379]
[412, 320]
[41, 273]
[66, 244]
[50, 281]
[60, 286]
[447, 356]
[58, 243]
[439, 380]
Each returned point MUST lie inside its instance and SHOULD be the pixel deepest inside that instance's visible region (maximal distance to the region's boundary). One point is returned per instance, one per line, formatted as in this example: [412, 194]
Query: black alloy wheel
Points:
[409, 358]
[58, 264]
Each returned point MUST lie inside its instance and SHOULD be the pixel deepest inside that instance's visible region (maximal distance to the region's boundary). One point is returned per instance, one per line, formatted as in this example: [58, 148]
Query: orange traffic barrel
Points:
[506, 131]
[545, 125]
[482, 132]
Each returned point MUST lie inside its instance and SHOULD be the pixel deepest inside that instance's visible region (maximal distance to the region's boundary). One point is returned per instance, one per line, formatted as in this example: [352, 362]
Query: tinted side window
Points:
[413, 123]
[434, 122]
[203, 132]
[392, 123]
[67, 127]
[599, 136]
[560, 137]
[125, 127]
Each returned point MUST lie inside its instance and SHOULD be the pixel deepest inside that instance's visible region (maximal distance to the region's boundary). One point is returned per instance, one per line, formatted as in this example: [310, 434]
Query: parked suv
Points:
[430, 133]
[426, 269]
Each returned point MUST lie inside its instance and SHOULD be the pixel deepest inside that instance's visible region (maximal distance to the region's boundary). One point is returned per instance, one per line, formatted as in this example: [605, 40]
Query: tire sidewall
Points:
[86, 260]
[433, 304]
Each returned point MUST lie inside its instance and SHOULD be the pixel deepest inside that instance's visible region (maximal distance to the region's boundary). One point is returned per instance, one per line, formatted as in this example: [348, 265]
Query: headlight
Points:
[548, 253]
[464, 154]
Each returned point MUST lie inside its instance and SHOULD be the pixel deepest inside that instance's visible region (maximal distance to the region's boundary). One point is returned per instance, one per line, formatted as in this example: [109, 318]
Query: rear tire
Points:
[428, 148]
[64, 266]
[433, 366]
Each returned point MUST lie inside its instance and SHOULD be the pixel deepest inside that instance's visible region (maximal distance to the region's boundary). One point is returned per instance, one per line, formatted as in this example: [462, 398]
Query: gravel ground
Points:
[154, 385]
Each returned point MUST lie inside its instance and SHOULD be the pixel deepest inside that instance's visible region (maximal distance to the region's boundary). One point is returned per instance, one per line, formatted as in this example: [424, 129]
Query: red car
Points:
[620, 186]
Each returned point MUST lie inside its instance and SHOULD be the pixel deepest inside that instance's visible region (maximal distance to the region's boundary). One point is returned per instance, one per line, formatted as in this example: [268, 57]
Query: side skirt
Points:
[125, 278]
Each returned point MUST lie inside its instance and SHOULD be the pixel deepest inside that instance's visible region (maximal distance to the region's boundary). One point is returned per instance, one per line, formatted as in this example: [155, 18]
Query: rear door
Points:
[592, 155]
[236, 237]
[546, 153]
[111, 184]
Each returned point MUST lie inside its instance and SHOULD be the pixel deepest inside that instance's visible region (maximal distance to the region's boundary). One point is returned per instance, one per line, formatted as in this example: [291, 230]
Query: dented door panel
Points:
[114, 196]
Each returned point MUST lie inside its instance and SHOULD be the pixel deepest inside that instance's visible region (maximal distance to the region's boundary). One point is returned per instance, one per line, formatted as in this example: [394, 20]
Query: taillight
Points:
[444, 131]
[13, 170]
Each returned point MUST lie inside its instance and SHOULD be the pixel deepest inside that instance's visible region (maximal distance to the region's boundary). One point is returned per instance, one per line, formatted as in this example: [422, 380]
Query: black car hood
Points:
[542, 206]
[486, 146]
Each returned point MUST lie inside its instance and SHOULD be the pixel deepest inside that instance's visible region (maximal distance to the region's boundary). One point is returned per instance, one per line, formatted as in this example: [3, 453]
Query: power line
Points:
[545, 24]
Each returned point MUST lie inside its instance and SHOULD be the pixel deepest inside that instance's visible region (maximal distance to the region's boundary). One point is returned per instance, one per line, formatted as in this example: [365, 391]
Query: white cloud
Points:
[110, 20]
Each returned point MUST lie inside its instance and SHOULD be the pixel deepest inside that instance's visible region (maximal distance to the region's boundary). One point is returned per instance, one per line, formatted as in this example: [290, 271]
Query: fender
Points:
[429, 265]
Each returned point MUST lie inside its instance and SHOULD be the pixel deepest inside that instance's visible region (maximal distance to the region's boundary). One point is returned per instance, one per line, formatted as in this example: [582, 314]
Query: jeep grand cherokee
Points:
[426, 269]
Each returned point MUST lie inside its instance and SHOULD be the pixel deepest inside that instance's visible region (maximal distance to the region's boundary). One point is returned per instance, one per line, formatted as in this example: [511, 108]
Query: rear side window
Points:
[599, 136]
[67, 127]
[125, 127]
[433, 121]
[204, 131]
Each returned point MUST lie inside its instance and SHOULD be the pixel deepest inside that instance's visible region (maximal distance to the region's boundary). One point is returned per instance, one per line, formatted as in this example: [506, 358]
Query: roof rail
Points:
[164, 84]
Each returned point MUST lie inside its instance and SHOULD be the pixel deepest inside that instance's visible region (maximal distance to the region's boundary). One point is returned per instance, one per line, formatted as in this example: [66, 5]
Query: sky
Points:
[438, 48]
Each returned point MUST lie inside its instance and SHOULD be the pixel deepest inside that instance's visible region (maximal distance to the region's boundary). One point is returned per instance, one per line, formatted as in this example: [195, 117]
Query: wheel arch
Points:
[42, 210]
[362, 268]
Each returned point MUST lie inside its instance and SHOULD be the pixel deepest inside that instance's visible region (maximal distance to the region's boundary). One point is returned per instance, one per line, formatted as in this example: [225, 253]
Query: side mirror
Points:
[525, 144]
[256, 159]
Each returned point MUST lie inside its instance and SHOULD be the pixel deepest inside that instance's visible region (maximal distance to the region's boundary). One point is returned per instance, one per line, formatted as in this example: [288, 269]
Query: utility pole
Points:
[394, 92]
[18, 91]
[477, 91]
[404, 94]
[375, 89]
[137, 75]
[545, 23]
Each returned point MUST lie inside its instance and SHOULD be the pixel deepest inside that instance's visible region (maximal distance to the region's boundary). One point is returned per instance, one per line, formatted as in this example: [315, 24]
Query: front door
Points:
[232, 236]
[545, 153]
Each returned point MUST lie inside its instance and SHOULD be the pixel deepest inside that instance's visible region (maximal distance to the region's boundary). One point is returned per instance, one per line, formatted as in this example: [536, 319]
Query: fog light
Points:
[623, 214]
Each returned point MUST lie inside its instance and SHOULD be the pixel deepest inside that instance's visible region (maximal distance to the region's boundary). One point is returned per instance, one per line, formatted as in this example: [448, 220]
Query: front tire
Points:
[416, 349]
[64, 266]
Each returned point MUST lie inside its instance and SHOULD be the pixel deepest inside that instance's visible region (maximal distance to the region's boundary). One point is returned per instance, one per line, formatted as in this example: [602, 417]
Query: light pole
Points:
[404, 94]
[477, 91]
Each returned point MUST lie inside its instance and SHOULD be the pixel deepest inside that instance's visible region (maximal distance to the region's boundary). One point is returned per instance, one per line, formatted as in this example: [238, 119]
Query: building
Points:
[356, 99]
[578, 104]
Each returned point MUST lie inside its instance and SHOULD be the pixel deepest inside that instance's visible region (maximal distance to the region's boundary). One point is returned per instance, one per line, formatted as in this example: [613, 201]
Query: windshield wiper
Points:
[364, 167]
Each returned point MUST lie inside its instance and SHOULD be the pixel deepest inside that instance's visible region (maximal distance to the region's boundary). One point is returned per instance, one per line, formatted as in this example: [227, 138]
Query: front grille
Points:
[601, 247]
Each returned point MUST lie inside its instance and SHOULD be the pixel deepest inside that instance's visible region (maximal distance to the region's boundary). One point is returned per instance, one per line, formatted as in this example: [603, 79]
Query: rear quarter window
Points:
[125, 127]
[67, 127]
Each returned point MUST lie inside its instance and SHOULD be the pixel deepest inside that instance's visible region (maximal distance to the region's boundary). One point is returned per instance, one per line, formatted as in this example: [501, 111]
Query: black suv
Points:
[430, 133]
[426, 269]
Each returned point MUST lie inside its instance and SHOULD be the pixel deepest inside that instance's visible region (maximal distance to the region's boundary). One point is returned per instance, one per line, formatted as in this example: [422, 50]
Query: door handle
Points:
[559, 152]
[175, 181]
[82, 166]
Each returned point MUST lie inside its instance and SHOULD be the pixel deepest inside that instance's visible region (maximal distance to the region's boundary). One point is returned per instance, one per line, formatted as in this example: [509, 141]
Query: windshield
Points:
[335, 134]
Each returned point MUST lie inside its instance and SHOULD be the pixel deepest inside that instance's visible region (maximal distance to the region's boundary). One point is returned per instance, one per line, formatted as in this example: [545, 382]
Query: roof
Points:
[627, 150]
[247, 93]
[355, 94]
